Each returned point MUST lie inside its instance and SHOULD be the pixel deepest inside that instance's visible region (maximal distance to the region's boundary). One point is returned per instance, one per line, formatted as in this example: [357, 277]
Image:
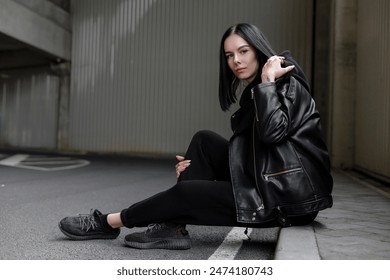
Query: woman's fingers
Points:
[179, 158]
[289, 68]
[181, 168]
[273, 69]
[182, 165]
[276, 58]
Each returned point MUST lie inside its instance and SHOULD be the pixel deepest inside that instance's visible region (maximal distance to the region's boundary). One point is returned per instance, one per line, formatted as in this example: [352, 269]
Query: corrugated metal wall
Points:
[372, 149]
[145, 72]
[28, 111]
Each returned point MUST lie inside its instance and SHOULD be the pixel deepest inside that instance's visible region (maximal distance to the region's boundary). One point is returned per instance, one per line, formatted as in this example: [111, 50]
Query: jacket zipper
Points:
[254, 165]
[267, 176]
[254, 101]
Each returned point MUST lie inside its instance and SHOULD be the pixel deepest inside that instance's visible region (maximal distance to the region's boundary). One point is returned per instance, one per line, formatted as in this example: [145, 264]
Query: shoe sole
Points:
[87, 237]
[169, 244]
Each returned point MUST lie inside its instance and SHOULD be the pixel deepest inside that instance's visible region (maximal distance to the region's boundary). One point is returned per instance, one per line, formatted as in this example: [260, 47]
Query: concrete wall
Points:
[28, 111]
[145, 72]
[39, 24]
[343, 82]
[35, 40]
[372, 113]
[359, 88]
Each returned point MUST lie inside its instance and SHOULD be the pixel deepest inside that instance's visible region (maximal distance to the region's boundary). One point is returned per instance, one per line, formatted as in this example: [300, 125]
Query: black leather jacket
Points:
[279, 162]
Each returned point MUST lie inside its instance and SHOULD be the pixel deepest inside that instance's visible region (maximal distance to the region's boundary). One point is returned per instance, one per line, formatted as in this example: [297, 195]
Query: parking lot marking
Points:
[230, 245]
[13, 160]
[43, 163]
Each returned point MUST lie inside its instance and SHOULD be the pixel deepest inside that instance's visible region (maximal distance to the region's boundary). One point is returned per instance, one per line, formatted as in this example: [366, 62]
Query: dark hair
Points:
[228, 82]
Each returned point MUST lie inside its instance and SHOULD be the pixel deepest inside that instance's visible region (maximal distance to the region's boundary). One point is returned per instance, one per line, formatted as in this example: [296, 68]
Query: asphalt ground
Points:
[37, 192]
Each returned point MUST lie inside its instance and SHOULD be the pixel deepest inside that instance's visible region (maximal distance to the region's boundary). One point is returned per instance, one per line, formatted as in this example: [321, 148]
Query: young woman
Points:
[274, 170]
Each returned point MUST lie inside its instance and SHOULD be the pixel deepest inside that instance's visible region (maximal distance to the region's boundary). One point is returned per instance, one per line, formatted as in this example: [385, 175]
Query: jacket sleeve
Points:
[279, 109]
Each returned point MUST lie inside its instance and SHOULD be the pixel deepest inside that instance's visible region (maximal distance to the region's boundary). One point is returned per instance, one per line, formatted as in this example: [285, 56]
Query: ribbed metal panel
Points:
[28, 111]
[145, 72]
[373, 87]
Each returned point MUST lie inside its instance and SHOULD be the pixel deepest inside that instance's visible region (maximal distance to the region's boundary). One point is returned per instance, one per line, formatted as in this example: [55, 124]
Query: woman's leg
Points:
[208, 152]
[114, 220]
[209, 155]
[198, 198]
[198, 202]
[203, 190]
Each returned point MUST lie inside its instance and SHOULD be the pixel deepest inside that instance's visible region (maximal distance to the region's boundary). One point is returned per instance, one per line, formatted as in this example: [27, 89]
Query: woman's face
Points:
[241, 58]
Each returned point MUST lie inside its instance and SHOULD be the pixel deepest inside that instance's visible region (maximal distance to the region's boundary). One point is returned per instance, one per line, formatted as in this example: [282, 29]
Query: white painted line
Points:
[50, 162]
[44, 163]
[66, 167]
[231, 245]
[13, 160]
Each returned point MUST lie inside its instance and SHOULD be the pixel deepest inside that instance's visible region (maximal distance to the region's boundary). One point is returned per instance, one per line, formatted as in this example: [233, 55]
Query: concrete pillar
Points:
[343, 82]
[63, 72]
[321, 62]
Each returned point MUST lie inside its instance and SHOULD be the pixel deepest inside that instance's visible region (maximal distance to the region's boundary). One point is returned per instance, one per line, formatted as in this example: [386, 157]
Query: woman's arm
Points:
[280, 108]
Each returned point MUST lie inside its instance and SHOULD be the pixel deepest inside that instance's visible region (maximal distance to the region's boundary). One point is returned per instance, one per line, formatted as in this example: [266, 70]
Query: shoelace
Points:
[156, 227]
[87, 221]
[153, 227]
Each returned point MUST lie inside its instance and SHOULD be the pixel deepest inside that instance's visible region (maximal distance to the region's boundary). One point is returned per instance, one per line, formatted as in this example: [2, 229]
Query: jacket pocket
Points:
[289, 186]
[268, 176]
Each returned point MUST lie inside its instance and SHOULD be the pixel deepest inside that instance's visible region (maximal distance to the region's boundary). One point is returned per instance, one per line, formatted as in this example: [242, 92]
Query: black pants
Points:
[203, 194]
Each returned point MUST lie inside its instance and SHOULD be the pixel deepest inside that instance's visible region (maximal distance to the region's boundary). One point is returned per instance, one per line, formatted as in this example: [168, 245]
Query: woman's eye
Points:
[229, 56]
[244, 51]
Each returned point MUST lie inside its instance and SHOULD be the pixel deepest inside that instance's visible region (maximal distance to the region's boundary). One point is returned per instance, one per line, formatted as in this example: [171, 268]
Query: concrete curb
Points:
[297, 243]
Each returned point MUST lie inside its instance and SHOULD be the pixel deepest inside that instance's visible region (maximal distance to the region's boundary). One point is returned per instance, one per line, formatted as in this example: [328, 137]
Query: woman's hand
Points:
[273, 69]
[182, 165]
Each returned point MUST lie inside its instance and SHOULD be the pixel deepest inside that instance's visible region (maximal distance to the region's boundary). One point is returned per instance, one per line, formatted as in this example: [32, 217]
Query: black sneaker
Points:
[160, 236]
[85, 227]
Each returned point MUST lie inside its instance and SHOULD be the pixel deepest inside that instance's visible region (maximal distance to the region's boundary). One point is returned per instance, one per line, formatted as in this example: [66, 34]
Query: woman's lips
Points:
[239, 70]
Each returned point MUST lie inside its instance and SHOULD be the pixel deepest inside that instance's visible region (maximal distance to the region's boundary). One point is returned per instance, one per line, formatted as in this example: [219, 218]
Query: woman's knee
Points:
[203, 136]
[208, 138]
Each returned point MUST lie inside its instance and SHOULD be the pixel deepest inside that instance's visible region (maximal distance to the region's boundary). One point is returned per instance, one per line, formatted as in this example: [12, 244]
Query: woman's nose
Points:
[236, 59]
